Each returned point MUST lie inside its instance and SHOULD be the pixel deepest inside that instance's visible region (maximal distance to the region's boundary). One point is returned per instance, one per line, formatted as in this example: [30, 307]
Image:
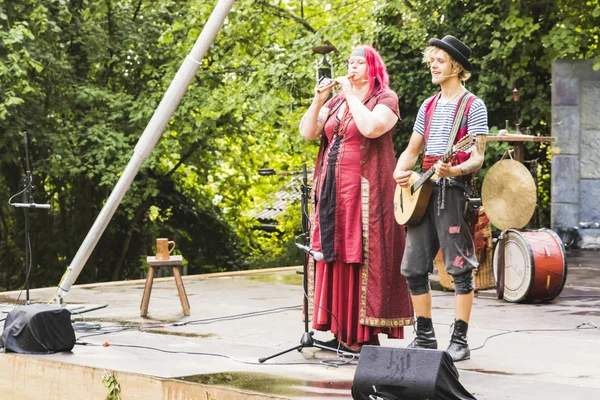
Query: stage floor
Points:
[519, 351]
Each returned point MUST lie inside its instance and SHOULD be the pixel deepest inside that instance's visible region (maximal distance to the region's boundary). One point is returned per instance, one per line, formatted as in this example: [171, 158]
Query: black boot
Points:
[425, 335]
[458, 348]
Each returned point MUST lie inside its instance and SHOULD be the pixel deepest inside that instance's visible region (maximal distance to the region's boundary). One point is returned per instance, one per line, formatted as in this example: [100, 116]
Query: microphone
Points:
[30, 205]
[316, 255]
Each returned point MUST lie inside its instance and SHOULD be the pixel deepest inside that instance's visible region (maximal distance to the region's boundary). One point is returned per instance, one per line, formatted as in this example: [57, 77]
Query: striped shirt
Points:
[441, 124]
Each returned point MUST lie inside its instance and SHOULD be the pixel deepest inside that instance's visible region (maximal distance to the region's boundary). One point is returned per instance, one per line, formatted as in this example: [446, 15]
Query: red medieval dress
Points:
[358, 289]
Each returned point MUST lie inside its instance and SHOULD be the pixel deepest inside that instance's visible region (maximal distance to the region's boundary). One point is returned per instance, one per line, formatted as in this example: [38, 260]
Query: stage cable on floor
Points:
[582, 326]
[123, 328]
[327, 363]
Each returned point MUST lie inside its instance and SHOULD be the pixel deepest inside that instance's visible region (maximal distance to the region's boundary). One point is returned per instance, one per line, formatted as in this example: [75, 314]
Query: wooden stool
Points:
[153, 264]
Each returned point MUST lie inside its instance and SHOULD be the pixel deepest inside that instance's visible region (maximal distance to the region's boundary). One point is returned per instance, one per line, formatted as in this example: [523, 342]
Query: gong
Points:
[509, 195]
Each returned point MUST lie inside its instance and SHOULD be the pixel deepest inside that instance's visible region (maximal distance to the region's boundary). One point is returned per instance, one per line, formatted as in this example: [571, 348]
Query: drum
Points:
[535, 266]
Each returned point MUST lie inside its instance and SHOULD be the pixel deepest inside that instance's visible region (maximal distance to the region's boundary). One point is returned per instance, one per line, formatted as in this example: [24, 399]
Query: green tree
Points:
[84, 77]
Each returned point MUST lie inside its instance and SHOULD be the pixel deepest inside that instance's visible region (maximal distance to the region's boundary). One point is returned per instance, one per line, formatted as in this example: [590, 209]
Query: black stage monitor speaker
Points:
[388, 373]
[38, 329]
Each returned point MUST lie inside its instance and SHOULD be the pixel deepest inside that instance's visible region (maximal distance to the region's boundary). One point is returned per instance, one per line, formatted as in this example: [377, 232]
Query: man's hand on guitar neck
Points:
[402, 178]
[446, 170]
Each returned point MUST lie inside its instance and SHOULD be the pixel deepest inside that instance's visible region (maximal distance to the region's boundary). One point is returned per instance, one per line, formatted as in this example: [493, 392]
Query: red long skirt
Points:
[337, 304]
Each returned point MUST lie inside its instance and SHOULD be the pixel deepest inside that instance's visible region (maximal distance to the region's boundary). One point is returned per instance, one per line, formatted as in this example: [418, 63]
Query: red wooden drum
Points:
[535, 267]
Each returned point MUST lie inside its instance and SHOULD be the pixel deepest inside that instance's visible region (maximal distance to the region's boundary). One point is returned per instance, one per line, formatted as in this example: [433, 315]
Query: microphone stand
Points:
[26, 205]
[307, 337]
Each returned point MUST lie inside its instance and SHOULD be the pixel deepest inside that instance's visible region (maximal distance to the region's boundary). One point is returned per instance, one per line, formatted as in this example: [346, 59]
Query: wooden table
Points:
[153, 264]
[518, 142]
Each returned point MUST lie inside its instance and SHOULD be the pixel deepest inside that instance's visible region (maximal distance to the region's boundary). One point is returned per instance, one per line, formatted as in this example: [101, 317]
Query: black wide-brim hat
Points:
[457, 49]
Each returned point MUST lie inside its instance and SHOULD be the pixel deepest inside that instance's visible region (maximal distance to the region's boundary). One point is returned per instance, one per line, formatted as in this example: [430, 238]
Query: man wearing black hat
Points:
[442, 121]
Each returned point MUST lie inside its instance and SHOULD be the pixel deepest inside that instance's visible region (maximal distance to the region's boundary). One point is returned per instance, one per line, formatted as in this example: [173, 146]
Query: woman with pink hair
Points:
[358, 289]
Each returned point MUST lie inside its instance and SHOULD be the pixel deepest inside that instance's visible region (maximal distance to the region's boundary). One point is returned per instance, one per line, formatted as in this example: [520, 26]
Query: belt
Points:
[463, 182]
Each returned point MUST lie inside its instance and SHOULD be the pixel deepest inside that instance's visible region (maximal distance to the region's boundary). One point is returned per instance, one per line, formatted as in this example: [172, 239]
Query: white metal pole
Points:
[150, 137]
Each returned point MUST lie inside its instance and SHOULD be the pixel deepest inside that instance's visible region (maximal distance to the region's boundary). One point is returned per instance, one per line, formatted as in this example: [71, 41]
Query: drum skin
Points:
[545, 264]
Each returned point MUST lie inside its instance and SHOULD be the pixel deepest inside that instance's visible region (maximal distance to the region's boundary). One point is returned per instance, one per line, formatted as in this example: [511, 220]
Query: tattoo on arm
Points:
[320, 124]
[474, 163]
[468, 168]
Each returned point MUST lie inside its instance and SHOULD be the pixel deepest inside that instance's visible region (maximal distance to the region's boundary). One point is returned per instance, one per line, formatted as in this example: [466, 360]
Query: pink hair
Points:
[379, 79]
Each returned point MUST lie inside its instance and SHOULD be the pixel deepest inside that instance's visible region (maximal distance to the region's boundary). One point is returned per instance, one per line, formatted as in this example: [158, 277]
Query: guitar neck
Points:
[431, 171]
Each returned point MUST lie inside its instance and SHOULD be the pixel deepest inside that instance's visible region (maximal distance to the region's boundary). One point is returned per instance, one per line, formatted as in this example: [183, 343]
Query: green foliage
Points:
[113, 387]
[88, 76]
[84, 78]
